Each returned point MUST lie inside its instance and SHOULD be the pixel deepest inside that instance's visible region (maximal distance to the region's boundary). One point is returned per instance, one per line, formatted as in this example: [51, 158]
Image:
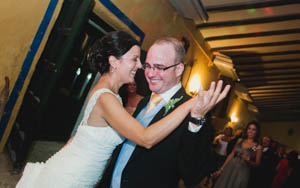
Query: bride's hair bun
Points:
[115, 44]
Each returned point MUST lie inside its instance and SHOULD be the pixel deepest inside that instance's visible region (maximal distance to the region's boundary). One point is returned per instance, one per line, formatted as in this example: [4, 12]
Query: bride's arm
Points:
[114, 113]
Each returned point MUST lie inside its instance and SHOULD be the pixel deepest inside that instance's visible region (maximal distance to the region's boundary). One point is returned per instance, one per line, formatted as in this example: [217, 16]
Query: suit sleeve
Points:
[194, 154]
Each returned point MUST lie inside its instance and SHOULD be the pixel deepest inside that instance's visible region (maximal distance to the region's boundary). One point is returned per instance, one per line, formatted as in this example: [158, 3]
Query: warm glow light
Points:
[194, 84]
[234, 118]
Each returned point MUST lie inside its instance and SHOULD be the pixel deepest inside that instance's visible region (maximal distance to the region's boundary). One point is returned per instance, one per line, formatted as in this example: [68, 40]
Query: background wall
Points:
[280, 132]
[19, 22]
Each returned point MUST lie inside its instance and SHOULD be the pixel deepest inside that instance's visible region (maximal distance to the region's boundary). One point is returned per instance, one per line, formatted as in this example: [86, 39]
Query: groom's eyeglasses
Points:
[157, 67]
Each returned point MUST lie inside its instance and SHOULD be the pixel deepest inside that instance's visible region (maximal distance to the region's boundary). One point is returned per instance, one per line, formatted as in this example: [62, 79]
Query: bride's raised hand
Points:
[206, 100]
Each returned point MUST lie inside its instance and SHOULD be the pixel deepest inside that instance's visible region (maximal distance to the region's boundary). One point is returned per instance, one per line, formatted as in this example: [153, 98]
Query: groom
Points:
[184, 153]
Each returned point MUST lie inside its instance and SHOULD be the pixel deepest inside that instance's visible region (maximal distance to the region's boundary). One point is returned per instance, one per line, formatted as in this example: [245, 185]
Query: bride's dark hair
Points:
[115, 43]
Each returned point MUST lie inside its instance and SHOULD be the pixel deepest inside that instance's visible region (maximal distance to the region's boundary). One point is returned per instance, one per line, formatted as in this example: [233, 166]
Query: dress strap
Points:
[93, 100]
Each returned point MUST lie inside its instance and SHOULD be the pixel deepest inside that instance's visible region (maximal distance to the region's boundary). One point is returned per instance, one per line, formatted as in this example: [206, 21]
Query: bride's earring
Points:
[112, 70]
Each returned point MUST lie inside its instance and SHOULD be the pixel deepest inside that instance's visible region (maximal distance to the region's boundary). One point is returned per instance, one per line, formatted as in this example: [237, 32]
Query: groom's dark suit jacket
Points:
[182, 154]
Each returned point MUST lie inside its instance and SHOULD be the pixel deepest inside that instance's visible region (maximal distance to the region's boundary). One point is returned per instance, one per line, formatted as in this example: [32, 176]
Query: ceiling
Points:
[262, 38]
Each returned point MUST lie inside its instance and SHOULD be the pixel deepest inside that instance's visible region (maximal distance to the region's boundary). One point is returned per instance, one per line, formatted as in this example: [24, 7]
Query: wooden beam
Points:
[294, 104]
[271, 62]
[274, 87]
[261, 73]
[269, 78]
[252, 35]
[250, 21]
[243, 55]
[289, 97]
[271, 99]
[295, 93]
[248, 5]
[267, 71]
[273, 90]
[266, 44]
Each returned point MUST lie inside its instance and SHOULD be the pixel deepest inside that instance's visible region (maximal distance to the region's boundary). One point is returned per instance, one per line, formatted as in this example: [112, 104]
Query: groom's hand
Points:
[206, 100]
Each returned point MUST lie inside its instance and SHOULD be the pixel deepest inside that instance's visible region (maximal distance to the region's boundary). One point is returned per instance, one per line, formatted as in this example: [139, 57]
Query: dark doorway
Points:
[70, 91]
[60, 83]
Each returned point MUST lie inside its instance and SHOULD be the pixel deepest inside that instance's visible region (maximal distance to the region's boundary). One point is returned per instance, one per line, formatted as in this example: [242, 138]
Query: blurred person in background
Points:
[133, 98]
[220, 144]
[238, 133]
[235, 171]
[293, 178]
[284, 169]
[262, 176]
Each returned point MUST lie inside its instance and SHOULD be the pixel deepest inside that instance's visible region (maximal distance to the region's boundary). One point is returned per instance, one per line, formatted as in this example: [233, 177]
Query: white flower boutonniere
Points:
[171, 104]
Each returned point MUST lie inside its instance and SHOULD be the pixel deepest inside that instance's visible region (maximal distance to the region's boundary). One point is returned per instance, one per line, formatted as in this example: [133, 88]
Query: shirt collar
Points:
[167, 95]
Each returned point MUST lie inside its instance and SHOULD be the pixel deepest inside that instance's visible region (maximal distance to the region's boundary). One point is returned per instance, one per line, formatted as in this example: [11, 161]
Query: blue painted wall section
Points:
[117, 12]
[26, 65]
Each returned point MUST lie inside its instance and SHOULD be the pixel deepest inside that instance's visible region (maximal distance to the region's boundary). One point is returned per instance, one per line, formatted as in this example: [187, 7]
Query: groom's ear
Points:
[179, 69]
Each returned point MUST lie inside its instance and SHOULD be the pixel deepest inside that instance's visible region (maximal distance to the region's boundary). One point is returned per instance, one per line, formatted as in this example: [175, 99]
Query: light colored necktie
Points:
[155, 100]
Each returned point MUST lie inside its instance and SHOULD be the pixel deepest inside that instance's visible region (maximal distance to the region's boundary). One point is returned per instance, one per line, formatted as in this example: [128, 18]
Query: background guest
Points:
[293, 178]
[284, 169]
[262, 176]
[220, 144]
[235, 171]
[238, 133]
[130, 97]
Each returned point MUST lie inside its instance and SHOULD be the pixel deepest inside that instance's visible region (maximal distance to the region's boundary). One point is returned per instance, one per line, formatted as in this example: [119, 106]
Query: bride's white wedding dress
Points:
[79, 164]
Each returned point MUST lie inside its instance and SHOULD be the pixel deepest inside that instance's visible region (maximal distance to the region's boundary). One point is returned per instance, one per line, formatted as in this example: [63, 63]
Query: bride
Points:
[80, 163]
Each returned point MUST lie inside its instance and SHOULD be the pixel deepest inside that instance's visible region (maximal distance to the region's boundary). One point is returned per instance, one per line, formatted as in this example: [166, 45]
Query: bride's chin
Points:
[131, 78]
[128, 81]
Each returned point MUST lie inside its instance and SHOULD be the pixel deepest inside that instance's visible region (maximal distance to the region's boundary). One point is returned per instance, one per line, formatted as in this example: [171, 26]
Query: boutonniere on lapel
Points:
[171, 104]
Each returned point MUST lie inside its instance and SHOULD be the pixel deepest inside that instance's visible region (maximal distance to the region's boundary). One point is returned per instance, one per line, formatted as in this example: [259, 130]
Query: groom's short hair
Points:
[178, 47]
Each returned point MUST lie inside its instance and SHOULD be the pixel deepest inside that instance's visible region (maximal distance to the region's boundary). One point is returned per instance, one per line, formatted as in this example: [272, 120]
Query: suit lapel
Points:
[157, 117]
[141, 105]
[160, 114]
